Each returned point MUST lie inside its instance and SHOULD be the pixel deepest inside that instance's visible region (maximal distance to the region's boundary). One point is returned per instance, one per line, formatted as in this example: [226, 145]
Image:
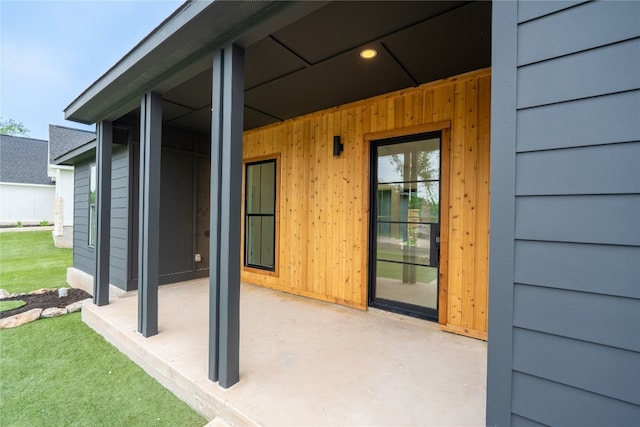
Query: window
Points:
[92, 205]
[259, 220]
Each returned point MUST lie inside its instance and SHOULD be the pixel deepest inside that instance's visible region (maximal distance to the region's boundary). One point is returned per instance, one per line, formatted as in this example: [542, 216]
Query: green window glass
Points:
[260, 208]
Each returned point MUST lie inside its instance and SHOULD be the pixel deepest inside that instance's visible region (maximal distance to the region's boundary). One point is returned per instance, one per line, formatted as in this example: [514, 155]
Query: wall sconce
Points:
[338, 147]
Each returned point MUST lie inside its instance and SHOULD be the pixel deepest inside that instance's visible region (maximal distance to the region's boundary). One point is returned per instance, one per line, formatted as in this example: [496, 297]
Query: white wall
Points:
[64, 190]
[27, 203]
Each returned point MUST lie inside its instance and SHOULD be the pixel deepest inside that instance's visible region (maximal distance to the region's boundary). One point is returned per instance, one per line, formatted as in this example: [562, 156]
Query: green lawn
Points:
[59, 372]
[30, 261]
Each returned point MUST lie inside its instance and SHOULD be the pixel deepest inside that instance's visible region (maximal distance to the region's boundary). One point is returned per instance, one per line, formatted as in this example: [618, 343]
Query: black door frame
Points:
[388, 305]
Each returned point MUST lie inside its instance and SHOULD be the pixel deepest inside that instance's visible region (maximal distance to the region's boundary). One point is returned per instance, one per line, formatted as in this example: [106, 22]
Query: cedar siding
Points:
[323, 201]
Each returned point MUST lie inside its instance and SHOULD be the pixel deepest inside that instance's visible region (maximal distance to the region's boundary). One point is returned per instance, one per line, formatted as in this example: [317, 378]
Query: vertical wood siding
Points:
[323, 207]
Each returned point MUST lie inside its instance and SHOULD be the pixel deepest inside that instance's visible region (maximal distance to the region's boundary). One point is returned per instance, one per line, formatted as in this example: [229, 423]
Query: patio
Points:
[305, 362]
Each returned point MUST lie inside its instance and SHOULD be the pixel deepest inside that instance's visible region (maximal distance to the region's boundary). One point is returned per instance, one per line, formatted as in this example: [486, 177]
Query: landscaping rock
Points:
[21, 294]
[42, 291]
[53, 312]
[4, 294]
[77, 306]
[20, 319]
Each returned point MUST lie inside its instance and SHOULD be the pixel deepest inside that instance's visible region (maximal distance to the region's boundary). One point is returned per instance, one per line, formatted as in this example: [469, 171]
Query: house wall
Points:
[83, 254]
[564, 340]
[27, 203]
[63, 212]
[323, 201]
[184, 206]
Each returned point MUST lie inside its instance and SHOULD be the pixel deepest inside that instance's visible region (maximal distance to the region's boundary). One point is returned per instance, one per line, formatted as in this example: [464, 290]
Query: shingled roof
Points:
[62, 140]
[23, 160]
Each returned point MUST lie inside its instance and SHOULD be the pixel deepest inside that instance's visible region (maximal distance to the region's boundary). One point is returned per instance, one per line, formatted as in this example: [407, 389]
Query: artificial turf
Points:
[58, 371]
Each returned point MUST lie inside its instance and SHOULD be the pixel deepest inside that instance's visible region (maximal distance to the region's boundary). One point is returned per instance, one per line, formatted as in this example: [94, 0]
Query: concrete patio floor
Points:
[304, 362]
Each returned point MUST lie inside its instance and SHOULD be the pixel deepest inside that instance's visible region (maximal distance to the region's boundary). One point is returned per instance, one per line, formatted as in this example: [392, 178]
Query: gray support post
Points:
[149, 218]
[103, 213]
[226, 190]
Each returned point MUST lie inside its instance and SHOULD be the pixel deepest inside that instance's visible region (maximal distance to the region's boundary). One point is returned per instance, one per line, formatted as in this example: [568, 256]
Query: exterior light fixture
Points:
[368, 53]
[338, 147]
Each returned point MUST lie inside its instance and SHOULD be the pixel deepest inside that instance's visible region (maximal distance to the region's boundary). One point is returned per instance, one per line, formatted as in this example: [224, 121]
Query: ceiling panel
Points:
[344, 25]
[199, 121]
[194, 93]
[254, 119]
[171, 111]
[453, 43]
[268, 60]
[343, 79]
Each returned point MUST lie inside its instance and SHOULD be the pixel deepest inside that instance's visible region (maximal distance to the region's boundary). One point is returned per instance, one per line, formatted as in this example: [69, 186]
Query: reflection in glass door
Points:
[405, 232]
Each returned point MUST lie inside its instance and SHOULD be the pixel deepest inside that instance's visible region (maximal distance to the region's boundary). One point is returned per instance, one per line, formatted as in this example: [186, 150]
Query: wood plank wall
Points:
[323, 201]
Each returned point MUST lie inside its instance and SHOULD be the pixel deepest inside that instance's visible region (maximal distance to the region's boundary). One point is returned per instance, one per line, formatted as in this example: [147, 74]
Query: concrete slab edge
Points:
[202, 401]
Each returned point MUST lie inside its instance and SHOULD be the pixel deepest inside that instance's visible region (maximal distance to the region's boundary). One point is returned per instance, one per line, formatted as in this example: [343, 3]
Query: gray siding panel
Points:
[557, 405]
[119, 217]
[601, 369]
[518, 421]
[83, 255]
[585, 74]
[606, 219]
[578, 315]
[594, 170]
[593, 121]
[545, 38]
[533, 9]
[574, 335]
[580, 267]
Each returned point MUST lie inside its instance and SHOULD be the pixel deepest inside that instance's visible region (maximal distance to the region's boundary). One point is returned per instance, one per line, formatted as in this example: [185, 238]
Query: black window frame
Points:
[248, 215]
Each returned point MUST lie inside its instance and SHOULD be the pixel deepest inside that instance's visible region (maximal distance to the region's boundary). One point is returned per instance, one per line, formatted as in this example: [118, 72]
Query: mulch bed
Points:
[45, 300]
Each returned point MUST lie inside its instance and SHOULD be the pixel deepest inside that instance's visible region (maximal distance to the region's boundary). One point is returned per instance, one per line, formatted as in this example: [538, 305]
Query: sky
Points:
[51, 51]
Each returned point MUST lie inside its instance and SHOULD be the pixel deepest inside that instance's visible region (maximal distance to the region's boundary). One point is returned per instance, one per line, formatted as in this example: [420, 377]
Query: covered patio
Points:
[305, 362]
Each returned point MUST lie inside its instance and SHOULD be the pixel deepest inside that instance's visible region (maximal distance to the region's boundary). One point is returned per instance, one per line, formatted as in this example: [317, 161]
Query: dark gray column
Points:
[103, 213]
[226, 191]
[149, 218]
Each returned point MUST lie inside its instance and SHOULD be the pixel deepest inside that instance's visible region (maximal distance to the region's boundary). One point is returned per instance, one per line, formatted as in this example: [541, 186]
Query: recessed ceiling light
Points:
[368, 53]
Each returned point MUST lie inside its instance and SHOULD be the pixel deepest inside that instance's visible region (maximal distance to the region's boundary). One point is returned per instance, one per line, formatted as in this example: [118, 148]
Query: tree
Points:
[11, 127]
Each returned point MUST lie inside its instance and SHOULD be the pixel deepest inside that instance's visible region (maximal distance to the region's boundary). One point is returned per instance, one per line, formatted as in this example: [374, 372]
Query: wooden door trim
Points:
[444, 127]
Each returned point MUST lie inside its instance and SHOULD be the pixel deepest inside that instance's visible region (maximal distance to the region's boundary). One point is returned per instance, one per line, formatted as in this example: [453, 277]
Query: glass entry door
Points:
[405, 232]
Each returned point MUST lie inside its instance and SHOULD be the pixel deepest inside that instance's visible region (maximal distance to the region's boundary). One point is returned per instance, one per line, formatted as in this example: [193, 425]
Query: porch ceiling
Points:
[312, 63]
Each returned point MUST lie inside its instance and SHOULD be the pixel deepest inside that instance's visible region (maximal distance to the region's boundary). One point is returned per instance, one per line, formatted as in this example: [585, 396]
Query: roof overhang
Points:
[300, 57]
[178, 49]
[82, 153]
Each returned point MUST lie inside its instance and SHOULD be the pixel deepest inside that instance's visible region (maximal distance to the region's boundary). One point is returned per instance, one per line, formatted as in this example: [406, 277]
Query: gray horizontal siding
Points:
[555, 404]
[596, 318]
[119, 217]
[83, 255]
[601, 369]
[594, 170]
[534, 9]
[573, 340]
[518, 421]
[605, 219]
[594, 121]
[544, 38]
[585, 74]
[579, 267]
